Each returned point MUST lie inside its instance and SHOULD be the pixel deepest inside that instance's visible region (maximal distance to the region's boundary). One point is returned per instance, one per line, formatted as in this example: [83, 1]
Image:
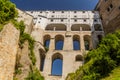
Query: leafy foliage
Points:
[7, 11]
[101, 61]
[34, 74]
[27, 37]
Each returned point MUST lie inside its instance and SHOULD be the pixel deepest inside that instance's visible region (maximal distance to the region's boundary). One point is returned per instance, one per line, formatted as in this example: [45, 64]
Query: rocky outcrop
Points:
[24, 61]
[9, 38]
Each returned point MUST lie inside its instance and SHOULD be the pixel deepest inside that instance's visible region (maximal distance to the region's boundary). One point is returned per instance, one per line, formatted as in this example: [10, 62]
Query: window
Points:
[84, 20]
[38, 15]
[75, 20]
[46, 41]
[95, 20]
[62, 11]
[79, 58]
[76, 42]
[110, 7]
[51, 20]
[52, 16]
[40, 11]
[75, 11]
[61, 20]
[83, 11]
[57, 64]
[42, 59]
[53, 12]
[59, 42]
[75, 16]
[93, 11]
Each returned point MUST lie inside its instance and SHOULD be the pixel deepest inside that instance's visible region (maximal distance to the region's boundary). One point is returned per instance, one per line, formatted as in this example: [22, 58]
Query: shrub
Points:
[101, 61]
[34, 74]
[7, 11]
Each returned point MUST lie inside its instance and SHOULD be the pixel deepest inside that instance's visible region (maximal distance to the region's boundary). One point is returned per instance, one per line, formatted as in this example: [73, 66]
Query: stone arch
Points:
[57, 63]
[59, 42]
[87, 42]
[42, 59]
[76, 42]
[46, 40]
[98, 27]
[56, 27]
[79, 58]
[80, 27]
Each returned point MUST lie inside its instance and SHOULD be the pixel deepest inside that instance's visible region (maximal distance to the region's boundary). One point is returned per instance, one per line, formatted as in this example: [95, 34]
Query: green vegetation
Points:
[7, 11]
[34, 74]
[1, 27]
[18, 68]
[101, 61]
[114, 75]
[46, 49]
[23, 37]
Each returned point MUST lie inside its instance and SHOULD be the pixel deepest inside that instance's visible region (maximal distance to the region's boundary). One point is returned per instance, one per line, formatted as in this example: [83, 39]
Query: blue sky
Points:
[55, 4]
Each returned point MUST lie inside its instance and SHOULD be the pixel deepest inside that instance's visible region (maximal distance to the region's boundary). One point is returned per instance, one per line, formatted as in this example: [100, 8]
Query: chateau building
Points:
[67, 36]
[110, 14]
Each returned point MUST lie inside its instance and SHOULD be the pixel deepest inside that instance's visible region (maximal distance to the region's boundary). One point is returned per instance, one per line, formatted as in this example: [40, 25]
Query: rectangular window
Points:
[93, 11]
[62, 11]
[83, 11]
[75, 16]
[52, 16]
[75, 11]
[95, 20]
[84, 20]
[61, 20]
[51, 20]
[75, 20]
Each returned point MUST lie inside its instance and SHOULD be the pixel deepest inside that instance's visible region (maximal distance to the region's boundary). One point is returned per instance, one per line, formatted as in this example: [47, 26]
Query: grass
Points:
[114, 75]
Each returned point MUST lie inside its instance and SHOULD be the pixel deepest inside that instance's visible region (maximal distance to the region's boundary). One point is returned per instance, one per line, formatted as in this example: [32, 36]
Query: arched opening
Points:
[42, 59]
[80, 27]
[79, 58]
[98, 27]
[57, 63]
[46, 41]
[87, 42]
[56, 27]
[59, 42]
[99, 38]
[76, 42]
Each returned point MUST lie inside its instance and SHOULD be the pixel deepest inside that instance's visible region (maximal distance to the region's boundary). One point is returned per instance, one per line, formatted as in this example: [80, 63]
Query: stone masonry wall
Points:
[9, 38]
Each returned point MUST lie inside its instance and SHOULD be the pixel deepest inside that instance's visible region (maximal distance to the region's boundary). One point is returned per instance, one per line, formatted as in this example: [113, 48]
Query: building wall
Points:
[84, 24]
[110, 13]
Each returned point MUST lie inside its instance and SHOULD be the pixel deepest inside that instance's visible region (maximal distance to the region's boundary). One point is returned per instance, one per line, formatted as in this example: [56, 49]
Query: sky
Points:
[55, 4]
